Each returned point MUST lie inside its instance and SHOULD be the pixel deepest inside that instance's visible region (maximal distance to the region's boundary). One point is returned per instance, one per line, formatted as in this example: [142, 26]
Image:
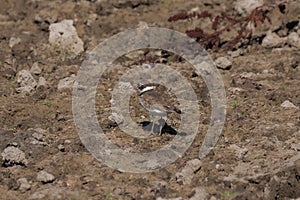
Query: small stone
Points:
[272, 40]
[239, 152]
[63, 35]
[45, 177]
[26, 81]
[177, 198]
[38, 136]
[246, 6]
[142, 25]
[66, 83]
[67, 141]
[24, 184]
[294, 40]
[14, 41]
[247, 75]
[42, 83]
[117, 118]
[235, 53]
[118, 191]
[187, 173]
[55, 192]
[135, 54]
[35, 69]
[288, 104]
[295, 147]
[200, 193]
[13, 156]
[223, 63]
[61, 148]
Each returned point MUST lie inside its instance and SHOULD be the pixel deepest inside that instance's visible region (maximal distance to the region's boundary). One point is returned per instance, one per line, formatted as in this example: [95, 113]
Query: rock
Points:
[246, 6]
[24, 184]
[158, 185]
[272, 40]
[42, 83]
[288, 104]
[67, 142]
[142, 25]
[61, 147]
[294, 40]
[177, 198]
[26, 81]
[116, 118]
[239, 152]
[187, 173]
[135, 54]
[236, 53]
[199, 193]
[8, 69]
[223, 63]
[63, 35]
[66, 83]
[247, 75]
[119, 191]
[14, 41]
[54, 193]
[35, 69]
[40, 131]
[38, 138]
[13, 156]
[45, 177]
[295, 147]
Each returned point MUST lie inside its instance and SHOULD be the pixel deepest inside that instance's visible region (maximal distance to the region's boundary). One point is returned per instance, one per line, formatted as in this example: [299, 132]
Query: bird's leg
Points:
[161, 123]
[152, 126]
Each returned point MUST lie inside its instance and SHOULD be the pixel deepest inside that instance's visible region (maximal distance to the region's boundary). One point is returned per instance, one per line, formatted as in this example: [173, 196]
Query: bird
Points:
[157, 101]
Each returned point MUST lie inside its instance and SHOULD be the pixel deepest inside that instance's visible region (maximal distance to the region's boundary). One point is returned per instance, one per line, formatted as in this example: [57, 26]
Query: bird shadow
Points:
[146, 126]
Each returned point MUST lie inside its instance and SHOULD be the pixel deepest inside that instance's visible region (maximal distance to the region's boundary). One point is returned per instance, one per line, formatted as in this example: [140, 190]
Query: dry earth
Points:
[257, 156]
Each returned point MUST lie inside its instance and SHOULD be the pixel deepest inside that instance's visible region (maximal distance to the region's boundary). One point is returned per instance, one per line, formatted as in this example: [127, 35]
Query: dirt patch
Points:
[257, 156]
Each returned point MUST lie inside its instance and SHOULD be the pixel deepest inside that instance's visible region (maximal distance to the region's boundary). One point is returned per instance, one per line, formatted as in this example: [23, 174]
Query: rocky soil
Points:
[42, 46]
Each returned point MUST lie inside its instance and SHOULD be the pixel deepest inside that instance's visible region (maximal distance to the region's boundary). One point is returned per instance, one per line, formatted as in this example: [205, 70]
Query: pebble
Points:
[24, 184]
[223, 63]
[239, 152]
[186, 175]
[54, 192]
[177, 198]
[61, 147]
[272, 40]
[63, 35]
[294, 40]
[26, 81]
[38, 138]
[42, 83]
[67, 141]
[116, 117]
[235, 54]
[13, 156]
[45, 177]
[66, 83]
[247, 75]
[200, 193]
[288, 104]
[247, 6]
[35, 69]
[14, 41]
[135, 54]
